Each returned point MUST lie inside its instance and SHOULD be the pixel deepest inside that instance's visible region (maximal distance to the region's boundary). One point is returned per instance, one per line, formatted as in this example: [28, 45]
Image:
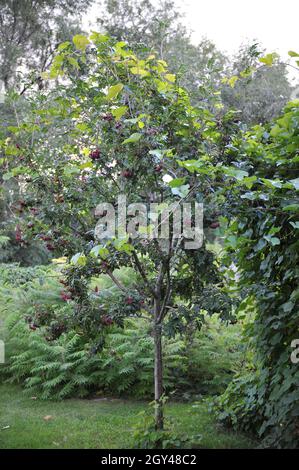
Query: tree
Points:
[158, 27]
[116, 125]
[260, 96]
[30, 31]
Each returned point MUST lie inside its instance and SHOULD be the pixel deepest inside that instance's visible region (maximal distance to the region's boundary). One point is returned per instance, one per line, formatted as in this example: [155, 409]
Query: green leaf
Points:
[293, 54]
[295, 183]
[99, 250]
[119, 112]
[7, 176]
[235, 173]
[157, 153]
[291, 207]
[181, 191]
[70, 170]
[295, 224]
[176, 182]
[79, 259]
[268, 59]
[63, 46]
[97, 38]
[114, 91]
[288, 306]
[81, 42]
[170, 77]
[133, 138]
[273, 240]
[271, 183]
[232, 81]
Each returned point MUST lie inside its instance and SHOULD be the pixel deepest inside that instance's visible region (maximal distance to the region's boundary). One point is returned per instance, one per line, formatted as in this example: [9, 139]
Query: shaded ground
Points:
[101, 424]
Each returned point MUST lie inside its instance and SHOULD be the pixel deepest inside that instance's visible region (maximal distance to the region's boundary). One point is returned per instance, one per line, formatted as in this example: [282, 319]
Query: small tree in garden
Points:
[119, 126]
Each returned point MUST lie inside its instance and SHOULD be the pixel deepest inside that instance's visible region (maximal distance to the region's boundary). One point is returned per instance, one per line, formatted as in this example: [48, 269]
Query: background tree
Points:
[159, 27]
[30, 31]
[261, 96]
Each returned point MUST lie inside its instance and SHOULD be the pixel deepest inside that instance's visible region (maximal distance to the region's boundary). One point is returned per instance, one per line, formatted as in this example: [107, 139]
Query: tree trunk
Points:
[158, 374]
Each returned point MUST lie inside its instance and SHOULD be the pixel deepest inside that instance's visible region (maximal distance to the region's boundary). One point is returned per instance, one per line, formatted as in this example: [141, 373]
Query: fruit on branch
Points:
[106, 320]
[95, 154]
[107, 117]
[215, 225]
[65, 296]
[127, 174]
[50, 247]
[158, 168]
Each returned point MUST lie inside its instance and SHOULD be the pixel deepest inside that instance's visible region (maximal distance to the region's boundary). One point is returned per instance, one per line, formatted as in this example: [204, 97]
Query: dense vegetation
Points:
[137, 317]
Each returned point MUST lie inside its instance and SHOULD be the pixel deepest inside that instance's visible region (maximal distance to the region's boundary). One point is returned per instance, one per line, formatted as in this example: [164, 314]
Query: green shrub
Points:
[53, 357]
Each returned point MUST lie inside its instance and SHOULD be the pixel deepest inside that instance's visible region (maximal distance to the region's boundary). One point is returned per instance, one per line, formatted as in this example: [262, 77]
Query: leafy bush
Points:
[54, 358]
[264, 242]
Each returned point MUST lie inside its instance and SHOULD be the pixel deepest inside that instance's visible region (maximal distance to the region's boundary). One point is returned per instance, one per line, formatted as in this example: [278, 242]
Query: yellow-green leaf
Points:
[81, 42]
[114, 91]
[133, 138]
[170, 77]
[293, 54]
[268, 59]
[119, 112]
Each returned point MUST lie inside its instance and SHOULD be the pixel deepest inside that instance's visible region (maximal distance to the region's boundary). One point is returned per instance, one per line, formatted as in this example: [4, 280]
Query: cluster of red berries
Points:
[95, 154]
[106, 320]
[130, 301]
[108, 117]
[158, 168]
[128, 174]
[215, 225]
[65, 296]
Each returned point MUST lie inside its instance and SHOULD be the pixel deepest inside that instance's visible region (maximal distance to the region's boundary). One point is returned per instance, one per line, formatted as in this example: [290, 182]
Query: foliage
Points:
[147, 436]
[30, 33]
[53, 360]
[259, 95]
[264, 243]
[158, 27]
[128, 124]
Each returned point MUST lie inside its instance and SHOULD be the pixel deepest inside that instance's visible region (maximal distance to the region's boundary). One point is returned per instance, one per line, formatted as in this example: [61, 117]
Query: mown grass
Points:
[98, 424]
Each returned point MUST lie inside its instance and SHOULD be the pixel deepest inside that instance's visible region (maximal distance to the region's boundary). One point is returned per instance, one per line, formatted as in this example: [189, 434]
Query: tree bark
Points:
[158, 372]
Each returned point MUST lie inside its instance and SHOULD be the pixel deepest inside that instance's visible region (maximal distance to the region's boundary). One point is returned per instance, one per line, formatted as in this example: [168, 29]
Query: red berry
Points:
[65, 296]
[107, 117]
[107, 320]
[95, 154]
[129, 300]
[214, 225]
[127, 173]
[104, 265]
[158, 168]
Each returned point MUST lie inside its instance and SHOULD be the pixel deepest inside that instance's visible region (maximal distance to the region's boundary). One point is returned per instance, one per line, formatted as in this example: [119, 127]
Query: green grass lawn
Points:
[99, 424]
